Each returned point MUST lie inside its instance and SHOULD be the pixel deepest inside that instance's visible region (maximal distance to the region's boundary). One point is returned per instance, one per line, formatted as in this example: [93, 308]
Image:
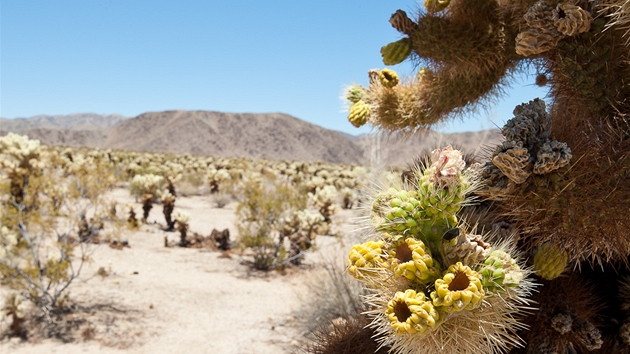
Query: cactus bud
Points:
[550, 261]
[359, 113]
[355, 93]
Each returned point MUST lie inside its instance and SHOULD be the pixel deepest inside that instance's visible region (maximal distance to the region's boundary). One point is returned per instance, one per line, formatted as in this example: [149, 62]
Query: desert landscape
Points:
[208, 231]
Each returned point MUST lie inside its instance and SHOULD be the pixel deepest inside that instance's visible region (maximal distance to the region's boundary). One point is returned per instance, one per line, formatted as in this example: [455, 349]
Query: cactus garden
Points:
[88, 235]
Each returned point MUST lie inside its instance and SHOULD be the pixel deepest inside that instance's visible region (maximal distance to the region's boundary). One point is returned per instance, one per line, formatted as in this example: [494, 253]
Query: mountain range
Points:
[263, 135]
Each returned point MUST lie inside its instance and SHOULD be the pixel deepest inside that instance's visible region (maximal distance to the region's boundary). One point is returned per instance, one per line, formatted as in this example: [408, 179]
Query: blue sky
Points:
[135, 56]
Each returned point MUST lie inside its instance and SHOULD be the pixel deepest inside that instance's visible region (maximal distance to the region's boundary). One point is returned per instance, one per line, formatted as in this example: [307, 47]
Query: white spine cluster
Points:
[181, 217]
[19, 154]
[14, 304]
[146, 184]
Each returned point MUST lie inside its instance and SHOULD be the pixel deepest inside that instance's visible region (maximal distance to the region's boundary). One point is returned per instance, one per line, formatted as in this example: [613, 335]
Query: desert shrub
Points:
[330, 296]
[192, 184]
[45, 235]
[274, 221]
[220, 200]
[262, 208]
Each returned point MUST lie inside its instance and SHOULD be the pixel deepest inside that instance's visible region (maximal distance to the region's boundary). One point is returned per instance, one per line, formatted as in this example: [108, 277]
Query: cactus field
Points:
[141, 259]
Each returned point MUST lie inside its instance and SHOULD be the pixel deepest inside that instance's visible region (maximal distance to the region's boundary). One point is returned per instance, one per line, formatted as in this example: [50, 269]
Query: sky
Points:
[129, 57]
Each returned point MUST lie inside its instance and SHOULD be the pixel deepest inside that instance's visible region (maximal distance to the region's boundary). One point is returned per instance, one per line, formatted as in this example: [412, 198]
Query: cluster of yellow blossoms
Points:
[424, 267]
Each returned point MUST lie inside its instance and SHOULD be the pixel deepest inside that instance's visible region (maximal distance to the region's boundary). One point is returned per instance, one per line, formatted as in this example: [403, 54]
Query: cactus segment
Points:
[396, 52]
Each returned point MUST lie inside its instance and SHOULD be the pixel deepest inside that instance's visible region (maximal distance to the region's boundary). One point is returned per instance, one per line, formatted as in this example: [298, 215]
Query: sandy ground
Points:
[165, 300]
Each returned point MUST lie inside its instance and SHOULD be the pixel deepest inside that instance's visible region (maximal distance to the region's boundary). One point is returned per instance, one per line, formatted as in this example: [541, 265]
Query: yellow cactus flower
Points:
[459, 289]
[365, 257]
[411, 259]
[388, 78]
[411, 312]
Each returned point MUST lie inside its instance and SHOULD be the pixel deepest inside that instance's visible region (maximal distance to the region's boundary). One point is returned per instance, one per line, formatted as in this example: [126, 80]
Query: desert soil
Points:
[166, 300]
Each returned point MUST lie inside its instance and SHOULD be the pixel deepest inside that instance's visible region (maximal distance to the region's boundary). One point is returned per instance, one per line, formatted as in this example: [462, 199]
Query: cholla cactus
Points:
[146, 184]
[359, 113]
[15, 308]
[396, 210]
[171, 179]
[168, 205]
[148, 188]
[216, 178]
[388, 99]
[354, 93]
[181, 219]
[500, 269]
[550, 261]
[560, 178]
[366, 258]
[324, 200]
[132, 220]
[422, 295]
[301, 228]
[442, 188]
[409, 258]
[412, 313]
[19, 157]
[313, 183]
[395, 53]
[459, 289]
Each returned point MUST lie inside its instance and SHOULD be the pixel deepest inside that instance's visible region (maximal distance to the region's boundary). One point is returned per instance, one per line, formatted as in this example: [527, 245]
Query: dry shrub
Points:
[49, 221]
[263, 206]
[186, 189]
[220, 199]
[332, 313]
[332, 294]
[192, 184]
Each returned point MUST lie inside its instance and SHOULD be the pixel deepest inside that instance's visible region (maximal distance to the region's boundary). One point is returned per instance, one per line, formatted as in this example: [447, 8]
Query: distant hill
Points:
[268, 135]
[77, 121]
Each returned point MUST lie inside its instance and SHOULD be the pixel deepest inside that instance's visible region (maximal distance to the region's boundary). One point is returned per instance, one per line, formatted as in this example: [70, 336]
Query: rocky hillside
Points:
[269, 136]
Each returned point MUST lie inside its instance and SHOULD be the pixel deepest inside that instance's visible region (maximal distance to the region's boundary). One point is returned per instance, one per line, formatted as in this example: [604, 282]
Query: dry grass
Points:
[107, 323]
